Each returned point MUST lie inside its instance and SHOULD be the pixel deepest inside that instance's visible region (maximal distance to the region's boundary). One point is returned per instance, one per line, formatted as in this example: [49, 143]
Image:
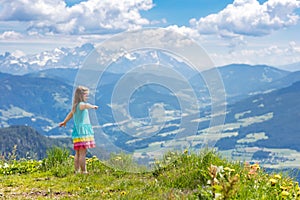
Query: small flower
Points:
[253, 169]
[95, 158]
[277, 176]
[273, 181]
[123, 193]
[118, 158]
[229, 169]
[255, 166]
[285, 193]
[252, 172]
[186, 151]
[284, 188]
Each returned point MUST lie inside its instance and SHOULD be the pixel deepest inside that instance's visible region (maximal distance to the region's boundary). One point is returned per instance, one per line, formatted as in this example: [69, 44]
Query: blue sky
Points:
[236, 31]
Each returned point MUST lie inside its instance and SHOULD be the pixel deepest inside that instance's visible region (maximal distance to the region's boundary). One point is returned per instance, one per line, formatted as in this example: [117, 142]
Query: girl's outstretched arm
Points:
[68, 117]
[87, 106]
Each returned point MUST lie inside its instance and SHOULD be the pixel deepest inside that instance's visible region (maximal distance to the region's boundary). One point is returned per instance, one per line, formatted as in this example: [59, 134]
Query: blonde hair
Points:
[78, 96]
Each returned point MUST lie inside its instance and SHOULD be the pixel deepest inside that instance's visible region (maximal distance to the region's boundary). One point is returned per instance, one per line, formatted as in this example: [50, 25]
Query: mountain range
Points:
[262, 110]
[57, 58]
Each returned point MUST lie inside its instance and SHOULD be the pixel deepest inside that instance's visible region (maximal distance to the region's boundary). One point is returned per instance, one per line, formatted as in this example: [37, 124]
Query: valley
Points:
[257, 122]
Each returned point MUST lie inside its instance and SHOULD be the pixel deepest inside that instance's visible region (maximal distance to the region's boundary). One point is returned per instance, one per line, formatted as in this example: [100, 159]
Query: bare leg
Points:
[82, 163]
[76, 161]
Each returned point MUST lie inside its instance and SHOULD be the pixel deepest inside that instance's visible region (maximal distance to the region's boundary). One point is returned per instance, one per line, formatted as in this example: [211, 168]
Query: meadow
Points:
[179, 175]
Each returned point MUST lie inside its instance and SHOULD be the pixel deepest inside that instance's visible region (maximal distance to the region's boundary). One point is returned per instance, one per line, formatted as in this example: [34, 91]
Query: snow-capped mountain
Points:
[57, 58]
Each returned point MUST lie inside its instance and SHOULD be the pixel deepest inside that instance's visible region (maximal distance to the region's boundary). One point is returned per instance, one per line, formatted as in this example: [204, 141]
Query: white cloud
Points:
[273, 55]
[249, 17]
[293, 47]
[10, 35]
[88, 16]
[225, 35]
[186, 31]
[21, 10]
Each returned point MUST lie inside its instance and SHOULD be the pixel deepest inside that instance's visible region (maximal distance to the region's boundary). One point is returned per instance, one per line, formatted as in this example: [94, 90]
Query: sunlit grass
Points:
[179, 175]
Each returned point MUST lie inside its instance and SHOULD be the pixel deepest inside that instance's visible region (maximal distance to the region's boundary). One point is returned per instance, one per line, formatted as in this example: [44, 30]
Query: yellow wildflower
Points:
[285, 193]
[255, 166]
[277, 176]
[186, 151]
[273, 181]
[296, 185]
[284, 188]
[95, 158]
[229, 169]
[118, 158]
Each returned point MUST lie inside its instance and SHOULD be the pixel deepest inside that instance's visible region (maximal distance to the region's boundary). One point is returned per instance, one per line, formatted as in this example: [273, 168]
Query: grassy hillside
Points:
[204, 175]
[27, 142]
[36, 101]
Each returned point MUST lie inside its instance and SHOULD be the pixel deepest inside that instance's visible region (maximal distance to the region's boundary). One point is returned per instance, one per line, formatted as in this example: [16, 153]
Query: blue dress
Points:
[83, 134]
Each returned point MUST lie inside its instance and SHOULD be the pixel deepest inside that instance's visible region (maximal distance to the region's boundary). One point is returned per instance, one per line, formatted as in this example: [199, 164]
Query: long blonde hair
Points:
[78, 96]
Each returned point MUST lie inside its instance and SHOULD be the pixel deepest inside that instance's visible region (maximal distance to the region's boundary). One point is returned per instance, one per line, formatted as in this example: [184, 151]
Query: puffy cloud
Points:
[186, 31]
[10, 35]
[293, 48]
[249, 17]
[88, 16]
[25, 10]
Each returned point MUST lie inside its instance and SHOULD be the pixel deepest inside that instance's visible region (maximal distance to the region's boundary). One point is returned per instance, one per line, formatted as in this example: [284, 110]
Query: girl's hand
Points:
[62, 124]
[68, 117]
[95, 107]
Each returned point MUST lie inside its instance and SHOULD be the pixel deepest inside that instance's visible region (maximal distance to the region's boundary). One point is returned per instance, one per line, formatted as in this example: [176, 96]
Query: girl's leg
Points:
[76, 161]
[82, 163]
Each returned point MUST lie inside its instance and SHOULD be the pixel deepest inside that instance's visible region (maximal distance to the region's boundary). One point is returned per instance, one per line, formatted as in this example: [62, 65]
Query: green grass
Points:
[204, 175]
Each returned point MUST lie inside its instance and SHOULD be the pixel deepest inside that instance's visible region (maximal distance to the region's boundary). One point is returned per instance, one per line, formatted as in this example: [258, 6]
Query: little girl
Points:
[82, 134]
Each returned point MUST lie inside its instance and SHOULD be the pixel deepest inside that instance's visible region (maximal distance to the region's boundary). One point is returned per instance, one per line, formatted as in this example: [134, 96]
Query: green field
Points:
[179, 175]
